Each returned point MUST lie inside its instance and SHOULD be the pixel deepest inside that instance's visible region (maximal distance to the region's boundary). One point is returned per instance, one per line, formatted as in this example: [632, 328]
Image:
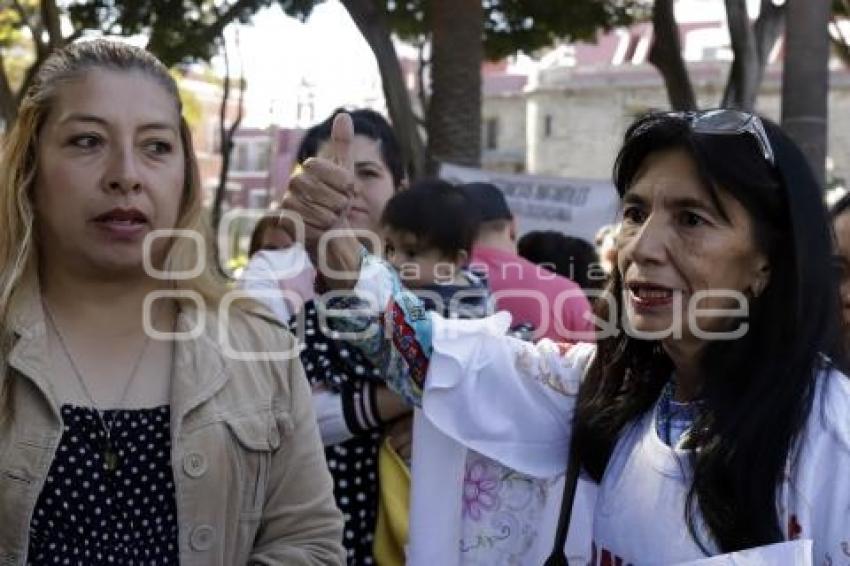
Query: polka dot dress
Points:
[353, 463]
[87, 515]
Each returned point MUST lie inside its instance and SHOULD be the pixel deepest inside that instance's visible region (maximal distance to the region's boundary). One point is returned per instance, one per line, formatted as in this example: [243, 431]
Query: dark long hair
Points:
[758, 389]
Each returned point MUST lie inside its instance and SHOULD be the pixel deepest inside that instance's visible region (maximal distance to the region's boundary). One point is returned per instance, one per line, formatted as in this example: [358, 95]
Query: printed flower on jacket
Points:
[480, 490]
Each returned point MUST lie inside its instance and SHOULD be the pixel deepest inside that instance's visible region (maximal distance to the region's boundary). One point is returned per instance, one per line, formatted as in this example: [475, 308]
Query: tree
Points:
[32, 22]
[666, 55]
[804, 110]
[226, 133]
[454, 109]
[751, 45]
[508, 26]
[372, 21]
[178, 30]
[839, 37]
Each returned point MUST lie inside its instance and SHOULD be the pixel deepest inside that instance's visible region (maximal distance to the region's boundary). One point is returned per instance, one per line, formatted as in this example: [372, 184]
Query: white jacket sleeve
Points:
[259, 281]
[279, 279]
[507, 399]
[332, 426]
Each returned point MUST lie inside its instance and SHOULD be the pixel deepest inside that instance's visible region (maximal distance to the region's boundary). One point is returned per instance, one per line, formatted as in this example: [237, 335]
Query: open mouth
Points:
[122, 216]
[649, 294]
[122, 224]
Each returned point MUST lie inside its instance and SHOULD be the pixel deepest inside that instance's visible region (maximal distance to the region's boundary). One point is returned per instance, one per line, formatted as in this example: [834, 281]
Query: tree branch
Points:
[216, 29]
[50, 20]
[421, 91]
[35, 30]
[666, 55]
[742, 87]
[372, 23]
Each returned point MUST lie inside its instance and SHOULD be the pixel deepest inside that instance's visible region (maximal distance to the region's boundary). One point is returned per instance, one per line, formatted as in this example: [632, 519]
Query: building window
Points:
[257, 198]
[548, 124]
[491, 134]
[250, 156]
[241, 152]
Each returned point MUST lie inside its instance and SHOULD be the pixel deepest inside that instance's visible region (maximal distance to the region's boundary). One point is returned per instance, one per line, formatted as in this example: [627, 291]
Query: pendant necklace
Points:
[108, 452]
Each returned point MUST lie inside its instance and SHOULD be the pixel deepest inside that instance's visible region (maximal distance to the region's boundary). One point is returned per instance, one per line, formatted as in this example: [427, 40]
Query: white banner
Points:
[576, 207]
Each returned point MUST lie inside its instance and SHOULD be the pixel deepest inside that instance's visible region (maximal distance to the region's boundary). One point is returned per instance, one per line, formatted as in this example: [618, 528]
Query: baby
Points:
[428, 234]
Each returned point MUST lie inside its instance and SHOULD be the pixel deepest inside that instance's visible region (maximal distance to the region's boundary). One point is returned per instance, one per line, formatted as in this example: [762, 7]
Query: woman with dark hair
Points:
[840, 213]
[709, 413]
[355, 409]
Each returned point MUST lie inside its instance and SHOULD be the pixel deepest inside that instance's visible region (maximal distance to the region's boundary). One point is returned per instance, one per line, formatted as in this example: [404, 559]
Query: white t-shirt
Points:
[639, 514]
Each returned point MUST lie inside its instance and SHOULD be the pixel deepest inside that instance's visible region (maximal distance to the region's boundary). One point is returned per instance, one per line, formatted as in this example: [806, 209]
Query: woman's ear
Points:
[761, 278]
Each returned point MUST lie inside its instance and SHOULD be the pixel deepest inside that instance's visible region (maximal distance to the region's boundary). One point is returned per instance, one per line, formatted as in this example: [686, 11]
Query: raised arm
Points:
[508, 399]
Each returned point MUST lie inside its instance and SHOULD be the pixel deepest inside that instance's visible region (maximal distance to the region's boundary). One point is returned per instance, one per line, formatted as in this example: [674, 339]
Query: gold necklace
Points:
[108, 452]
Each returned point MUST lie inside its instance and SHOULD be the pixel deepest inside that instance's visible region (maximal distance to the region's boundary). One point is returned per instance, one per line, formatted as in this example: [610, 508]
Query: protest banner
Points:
[576, 207]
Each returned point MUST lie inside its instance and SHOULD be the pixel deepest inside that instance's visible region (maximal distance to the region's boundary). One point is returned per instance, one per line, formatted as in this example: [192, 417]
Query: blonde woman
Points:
[131, 432]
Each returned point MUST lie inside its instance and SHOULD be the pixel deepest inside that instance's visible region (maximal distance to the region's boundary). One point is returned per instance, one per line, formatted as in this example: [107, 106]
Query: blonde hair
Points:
[18, 167]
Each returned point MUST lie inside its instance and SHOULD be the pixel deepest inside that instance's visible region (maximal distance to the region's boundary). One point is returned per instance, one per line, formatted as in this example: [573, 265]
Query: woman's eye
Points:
[85, 141]
[159, 147]
[634, 215]
[692, 219]
[368, 173]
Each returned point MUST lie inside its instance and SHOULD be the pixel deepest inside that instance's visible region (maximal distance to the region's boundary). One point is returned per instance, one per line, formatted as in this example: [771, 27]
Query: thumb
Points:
[342, 134]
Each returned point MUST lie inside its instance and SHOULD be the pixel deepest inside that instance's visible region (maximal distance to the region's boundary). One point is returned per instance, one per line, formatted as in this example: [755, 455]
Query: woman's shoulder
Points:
[242, 332]
[258, 327]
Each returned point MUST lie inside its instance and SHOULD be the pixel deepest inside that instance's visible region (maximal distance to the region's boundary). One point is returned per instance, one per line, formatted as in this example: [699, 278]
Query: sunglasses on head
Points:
[720, 121]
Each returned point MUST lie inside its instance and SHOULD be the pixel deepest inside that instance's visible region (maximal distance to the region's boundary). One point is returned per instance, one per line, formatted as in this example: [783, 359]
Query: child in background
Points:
[428, 233]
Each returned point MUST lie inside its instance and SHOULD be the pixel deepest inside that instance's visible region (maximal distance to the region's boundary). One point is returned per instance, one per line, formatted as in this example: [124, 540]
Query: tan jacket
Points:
[251, 482]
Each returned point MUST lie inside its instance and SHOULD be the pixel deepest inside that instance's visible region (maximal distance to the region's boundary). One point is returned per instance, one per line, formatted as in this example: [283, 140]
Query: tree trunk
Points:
[805, 80]
[372, 23]
[751, 46]
[51, 22]
[457, 52]
[666, 55]
[226, 135]
[742, 87]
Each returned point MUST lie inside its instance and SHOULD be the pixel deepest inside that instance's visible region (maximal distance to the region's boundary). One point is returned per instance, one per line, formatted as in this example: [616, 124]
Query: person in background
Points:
[567, 256]
[279, 273]
[547, 306]
[119, 445]
[352, 404]
[606, 247]
[269, 234]
[840, 213]
[428, 234]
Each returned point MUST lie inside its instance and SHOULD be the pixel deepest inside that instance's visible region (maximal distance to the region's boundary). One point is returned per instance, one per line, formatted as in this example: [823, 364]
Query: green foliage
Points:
[10, 27]
[522, 25]
[178, 30]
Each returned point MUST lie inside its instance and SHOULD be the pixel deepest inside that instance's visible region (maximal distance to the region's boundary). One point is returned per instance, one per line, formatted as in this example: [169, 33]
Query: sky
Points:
[284, 59]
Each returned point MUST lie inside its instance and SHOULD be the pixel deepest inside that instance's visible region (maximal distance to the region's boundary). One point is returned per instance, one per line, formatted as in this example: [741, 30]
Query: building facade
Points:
[568, 117]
